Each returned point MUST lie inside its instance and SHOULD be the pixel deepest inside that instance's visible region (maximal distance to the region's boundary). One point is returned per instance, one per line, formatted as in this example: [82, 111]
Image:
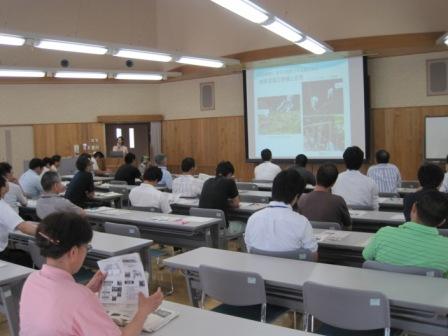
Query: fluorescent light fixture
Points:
[12, 40]
[284, 30]
[21, 73]
[80, 74]
[137, 76]
[244, 8]
[312, 46]
[201, 62]
[143, 55]
[71, 47]
[446, 40]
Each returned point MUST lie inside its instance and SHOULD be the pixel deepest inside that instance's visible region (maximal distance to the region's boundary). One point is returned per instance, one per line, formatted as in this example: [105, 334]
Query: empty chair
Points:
[117, 182]
[363, 310]
[246, 186]
[388, 194]
[443, 232]
[34, 251]
[254, 198]
[430, 272]
[410, 184]
[326, 225]
[148, 209]
[242, 294]
[298, 254]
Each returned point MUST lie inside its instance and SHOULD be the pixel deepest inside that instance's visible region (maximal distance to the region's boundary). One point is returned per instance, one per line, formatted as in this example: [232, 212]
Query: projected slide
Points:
[311, 108]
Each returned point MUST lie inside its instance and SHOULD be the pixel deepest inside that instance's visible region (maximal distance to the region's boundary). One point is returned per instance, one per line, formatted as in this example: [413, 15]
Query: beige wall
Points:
[16, 145]
[35, 104]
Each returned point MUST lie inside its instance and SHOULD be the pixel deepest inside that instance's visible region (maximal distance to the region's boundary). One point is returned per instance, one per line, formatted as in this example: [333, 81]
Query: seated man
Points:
[266, 170]
[30, 180]
[129, 171]
[187, 185]
[386, 175]
[51, 201]
[146, 195]
[161, 162]
[15, 195]
[81, 189]
[355, 188]
[418, 242]
[99, 164]
[321, 204]
[48, 163]
[430, 177]
[300, 164]
[278, 228]
[56, 162]
[220, 192]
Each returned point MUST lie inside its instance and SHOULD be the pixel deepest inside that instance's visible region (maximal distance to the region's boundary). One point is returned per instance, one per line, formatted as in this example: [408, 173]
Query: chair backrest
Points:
[443, 232]
[388, 194]
[147, 209]
[298, 254]
[117, 182]
[346, 308]
[34, 250]
[360, 207]
[326, 225]
[232, 287]
[211, 213]
[122, 229]
[410, 184]
[254, 198]
[430, 272]
[246, 186]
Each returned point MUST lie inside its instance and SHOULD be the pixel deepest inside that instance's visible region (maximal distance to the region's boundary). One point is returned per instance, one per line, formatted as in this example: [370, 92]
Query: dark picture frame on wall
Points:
[207, 96]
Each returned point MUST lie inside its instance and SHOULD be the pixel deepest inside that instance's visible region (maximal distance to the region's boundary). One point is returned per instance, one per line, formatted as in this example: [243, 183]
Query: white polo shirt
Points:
[278, 228]
[9, 220]
[357, 189]
[266, 171]
[187, 186]
[145, 195]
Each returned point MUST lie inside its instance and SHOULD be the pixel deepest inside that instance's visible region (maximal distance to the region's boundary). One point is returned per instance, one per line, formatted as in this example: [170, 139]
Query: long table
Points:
[418, 304]
[391, 203]
[372, 220]
[169, 229]
[95, 178]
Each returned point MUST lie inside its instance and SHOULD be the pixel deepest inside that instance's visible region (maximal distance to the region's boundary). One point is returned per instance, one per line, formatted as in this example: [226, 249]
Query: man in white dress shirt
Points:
[30, 180]
[266, 170]
[386, 175]
[278, 228]
[187, 185]
[358, 190]
[146, 195]
[161, 162]
[15, 195]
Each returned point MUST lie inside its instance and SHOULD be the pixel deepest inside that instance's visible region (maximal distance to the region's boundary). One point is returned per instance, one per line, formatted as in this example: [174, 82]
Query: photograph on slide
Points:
[279, 115]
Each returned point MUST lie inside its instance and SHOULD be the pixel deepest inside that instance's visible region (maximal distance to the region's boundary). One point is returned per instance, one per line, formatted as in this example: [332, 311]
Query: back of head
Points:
[49, 179]
[353, 157]
[159, 159]
[35, 163]
[47, 161]
[432, 208]
[59, 232]
[187, 164]
[266, 154]
[5, 168]
[129, 158]
[382, 156]
[301, 160]
[225, 168]
[327, 175]
[287, 185]
[56, 158]
[430, 175]
[83, 162]
[153, 174]
[98, 155]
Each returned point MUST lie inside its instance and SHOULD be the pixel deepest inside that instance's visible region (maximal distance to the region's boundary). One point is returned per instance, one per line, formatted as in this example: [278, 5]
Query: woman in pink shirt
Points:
[52, 303]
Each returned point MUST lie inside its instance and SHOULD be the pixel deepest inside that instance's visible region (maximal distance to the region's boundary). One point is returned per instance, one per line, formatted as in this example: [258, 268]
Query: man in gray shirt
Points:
[50, 201]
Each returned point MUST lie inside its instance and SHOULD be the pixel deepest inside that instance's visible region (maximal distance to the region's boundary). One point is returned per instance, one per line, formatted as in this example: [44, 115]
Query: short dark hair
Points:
[225, 168]
[327, 175]
[56, 158]
[47, 161]
[98, 155]
[432, 208]
[5, 168]
[153, 173]
[83, 162]
[382, 156]
[187, 164]
[353, 157]
[129, 158]
[430, 175]
[266, 154]
[49, 179]
[35, 163]
[3, 182]
[301, 160]
[121, 138]
[61, 231]
[159, 158]
[287, 184]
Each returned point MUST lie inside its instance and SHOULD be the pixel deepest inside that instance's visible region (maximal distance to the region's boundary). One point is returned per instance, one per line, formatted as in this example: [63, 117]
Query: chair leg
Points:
[294, 316]
[312, 323]
[263, 312]
[305, 320]
[387, 332]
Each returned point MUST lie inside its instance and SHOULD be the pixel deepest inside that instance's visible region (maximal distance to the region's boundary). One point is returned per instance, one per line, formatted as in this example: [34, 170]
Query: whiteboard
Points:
[436, 138]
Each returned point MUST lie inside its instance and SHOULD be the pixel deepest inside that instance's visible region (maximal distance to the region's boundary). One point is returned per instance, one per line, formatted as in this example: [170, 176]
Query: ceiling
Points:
[199, 26]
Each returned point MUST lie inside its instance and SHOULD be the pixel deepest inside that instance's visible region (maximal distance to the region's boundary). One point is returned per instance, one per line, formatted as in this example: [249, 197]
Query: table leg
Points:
[10, 295]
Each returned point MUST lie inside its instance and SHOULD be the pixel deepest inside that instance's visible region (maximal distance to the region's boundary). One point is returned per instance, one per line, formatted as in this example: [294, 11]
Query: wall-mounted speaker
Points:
[207, 96]
[437, 77]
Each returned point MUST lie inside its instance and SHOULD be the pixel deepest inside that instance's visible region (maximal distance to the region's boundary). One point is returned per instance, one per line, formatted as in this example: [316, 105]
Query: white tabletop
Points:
[10, 273]
[95, 178]
[406, 190]
[267, 194]
[199, 322]
[245, 207]
[106, 186]
[342, 239]
[377, 216]
[397, 201]
[401, 289]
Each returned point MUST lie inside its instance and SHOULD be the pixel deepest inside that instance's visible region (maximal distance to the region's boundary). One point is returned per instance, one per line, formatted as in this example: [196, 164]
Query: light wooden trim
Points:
[123, 119]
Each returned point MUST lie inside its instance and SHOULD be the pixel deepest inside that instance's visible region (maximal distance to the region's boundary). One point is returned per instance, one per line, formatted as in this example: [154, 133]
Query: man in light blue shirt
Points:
[386, 175]
[30, 180]
[167, 179]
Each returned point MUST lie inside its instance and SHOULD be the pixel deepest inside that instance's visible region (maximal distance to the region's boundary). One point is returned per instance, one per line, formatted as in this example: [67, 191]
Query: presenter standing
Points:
[120, 147]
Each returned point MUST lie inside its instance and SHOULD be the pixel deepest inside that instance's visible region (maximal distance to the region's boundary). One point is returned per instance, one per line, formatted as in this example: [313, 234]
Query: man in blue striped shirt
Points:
[386, 175]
